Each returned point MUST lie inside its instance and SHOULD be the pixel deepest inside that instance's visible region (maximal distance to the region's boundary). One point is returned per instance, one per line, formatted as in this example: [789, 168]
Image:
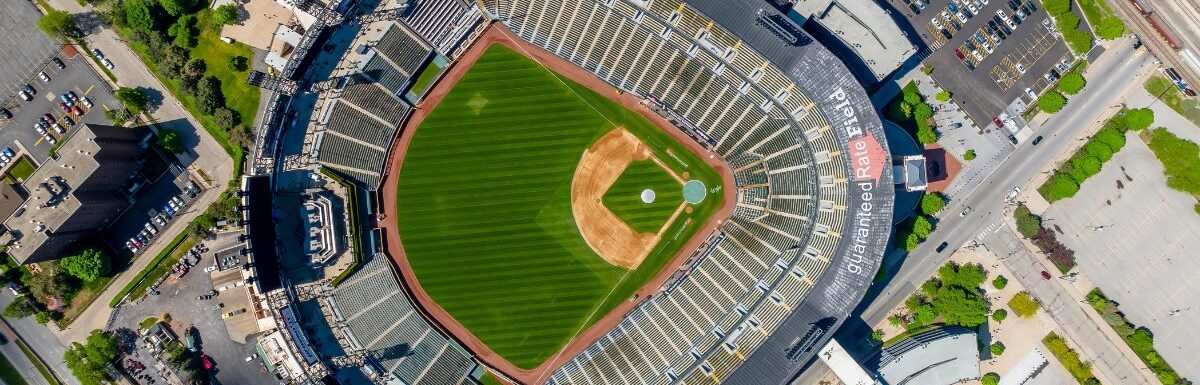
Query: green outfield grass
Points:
[624, 198]
[484, 206]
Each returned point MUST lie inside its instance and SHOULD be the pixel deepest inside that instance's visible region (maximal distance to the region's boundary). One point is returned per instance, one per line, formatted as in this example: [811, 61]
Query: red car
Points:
[49, 119]
[64, 107]
[959, 54]
[1045, 275]
[78, 111]
[996, 120]
[206, 362]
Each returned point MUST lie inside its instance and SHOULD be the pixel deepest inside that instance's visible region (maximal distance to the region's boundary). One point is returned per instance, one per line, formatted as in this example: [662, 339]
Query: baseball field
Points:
[485, 213]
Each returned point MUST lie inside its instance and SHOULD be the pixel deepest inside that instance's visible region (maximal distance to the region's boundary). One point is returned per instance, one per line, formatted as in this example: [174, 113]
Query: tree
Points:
[1142, 342]
[1086, 166]
[173, 59]
[925, 134]
[1059, 186]
[1098, 150]
[59, 24]
[911, 97]
[969, 155]
[184, 31]
[1023, 305]
[239, 63]
[1139, 118]
[134, 99]
[117, 115]
[88, 264]
[209, 95]
[225, 14]
[968, 276]
[1111, 137]
[990, 379]
[959, 306]
[921, 227]
[177, 7]
[240, 136]
[943, 96]
[1057, 7]
[922, 111]
[87, 361]
[20, 307]
[170, 140]
[1000, 283]
[1071, 83]
[997, 348]
[140, 15]
[226, 118]
[877, 335]
[1051, 102]
[932, 202]
[999, 315]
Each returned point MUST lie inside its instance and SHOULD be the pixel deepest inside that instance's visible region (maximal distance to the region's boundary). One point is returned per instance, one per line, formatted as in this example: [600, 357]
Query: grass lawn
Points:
[161, 264]
[1163, 89]
[425, 79]
[239, 96]
[1095, 10]
[22, 169]
[84, 298]
[9, 373]
[484, 201]
[624, 198]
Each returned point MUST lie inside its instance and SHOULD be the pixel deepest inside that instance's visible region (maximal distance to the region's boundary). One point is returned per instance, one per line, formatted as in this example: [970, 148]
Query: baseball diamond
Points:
[486, 214]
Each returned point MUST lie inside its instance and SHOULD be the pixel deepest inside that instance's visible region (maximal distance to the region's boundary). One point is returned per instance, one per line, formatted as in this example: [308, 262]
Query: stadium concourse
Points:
[759, 294]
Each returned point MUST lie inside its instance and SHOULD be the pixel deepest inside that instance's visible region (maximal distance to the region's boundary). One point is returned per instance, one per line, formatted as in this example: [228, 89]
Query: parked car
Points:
[1032, 95]
[71, 96]
[58, 128]
[48, 118]
[5, 114]
[86, 102]
[1012, 194]
[8, 151]
[49, 138]
[68, 121]
[42, 75]
[64, 107]
[107, 63]
[78, 111]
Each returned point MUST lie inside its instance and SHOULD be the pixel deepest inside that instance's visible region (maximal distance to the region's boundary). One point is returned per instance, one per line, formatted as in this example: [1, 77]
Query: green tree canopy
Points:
[1024, 305]
[20, 307]
[1139, 118]
[999, 315]
[932, 202]
[969, 155]
[1098, 150]
[1059, 186]
[177, 7]
[184, 31]
[134, 99]
[59, 24]
[943, 96]
[1057, 7]
[225, 14]
[1071, 83]
[1000, 283]
[968, 276]
[926, 134]
[1110, 27]
[1028, 224]
[170, 140]
[209, 95]
[1086, 165]
[140, 14]
[238, 63]
[1052, 102]
[922, 227]
[1111, 137]
[959, 306]
[1180, 159]
[990, 379]
[997, 348]
[88, 264]
[87, 361]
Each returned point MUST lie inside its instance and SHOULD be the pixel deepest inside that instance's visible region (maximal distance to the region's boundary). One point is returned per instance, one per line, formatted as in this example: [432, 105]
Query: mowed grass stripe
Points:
[484, 201]
[624, 198]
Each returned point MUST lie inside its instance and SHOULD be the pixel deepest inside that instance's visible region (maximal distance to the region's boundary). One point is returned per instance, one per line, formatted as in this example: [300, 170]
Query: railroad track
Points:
[1154, 40]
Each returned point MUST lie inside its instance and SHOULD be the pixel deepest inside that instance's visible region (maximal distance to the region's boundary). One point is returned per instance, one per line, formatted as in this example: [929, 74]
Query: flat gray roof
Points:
[865, 28]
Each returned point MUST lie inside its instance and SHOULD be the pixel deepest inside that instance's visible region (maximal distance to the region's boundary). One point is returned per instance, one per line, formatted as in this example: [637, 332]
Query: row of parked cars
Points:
[7, 155]
[158, 222]
[989, 37]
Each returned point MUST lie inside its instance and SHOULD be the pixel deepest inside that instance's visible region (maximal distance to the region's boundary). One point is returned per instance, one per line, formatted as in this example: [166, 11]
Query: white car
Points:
[961, 17]
[937, 24]
[45, 78]
[107, 63]
[1032, 95]
[1020, 68]
[987, 47]
[977, 55]
[971, 7]
[49, 138]
[86, 102]
[25, 95]
[1012, 194]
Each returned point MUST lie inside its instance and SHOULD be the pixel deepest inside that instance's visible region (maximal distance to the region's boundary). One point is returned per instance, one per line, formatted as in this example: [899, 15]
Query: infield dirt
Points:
[498, 34]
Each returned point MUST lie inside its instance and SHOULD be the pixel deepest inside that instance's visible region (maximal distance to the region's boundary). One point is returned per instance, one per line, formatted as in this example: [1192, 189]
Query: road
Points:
[41, 341]
[1062, 133]
[205, 154]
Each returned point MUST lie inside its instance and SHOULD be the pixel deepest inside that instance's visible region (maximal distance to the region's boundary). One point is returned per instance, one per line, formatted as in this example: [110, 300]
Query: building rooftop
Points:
[937, 357]
[864, 27]
[914, 172]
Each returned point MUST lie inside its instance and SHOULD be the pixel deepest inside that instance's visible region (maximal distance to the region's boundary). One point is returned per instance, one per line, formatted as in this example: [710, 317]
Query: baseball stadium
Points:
[601, 192]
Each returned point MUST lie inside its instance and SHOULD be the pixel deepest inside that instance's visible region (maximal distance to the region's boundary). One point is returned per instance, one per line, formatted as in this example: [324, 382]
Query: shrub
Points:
[1180, 159]
[1071, 83]
[1082, 372]
[1110, 27]
[997, 348]
[1024, 305]
[1086, 165]
[969, 155]
[926, 135]
[932, 202]
[239, 63]
[20, 307]
[990, 379]
[1098, 150]
[1052, 102]
[999, 315]
[1111, 137]
[1062, 257]
[943, 96]
[1059, 186]
[1028, 224]
[1000, 283]
[1139, 118]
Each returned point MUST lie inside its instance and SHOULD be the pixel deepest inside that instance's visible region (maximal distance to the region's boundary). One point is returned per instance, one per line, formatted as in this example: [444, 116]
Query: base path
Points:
[599, 167]
[499, 34]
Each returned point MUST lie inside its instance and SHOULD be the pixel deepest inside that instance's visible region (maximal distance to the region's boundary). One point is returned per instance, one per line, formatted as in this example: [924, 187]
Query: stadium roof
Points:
[865, 28]
[937, 357]
[260, 226]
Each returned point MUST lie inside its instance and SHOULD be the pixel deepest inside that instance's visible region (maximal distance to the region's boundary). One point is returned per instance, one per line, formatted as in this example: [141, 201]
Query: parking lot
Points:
[76, 76]
[986, 53]
[25, 53]
[179, 298]
[156, 204]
